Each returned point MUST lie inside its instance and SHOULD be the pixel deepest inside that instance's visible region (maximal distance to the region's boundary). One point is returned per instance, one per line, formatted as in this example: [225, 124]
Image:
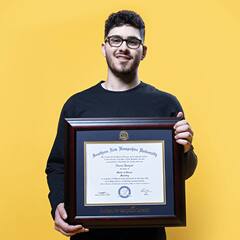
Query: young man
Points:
[121, 95]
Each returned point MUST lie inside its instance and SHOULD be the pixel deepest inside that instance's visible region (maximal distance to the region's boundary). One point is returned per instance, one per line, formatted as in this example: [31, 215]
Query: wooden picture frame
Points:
[87, 201]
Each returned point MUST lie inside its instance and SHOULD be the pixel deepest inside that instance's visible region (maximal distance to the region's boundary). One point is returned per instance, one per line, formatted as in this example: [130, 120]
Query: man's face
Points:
[122, 59]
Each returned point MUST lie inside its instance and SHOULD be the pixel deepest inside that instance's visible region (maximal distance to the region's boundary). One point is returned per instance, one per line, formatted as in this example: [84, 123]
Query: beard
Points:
[122, 68]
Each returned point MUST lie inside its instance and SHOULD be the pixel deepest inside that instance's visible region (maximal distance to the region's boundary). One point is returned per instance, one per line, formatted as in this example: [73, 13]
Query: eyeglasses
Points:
[116, 41]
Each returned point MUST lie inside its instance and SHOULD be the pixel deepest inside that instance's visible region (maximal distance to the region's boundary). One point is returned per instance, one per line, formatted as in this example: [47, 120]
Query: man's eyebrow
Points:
[123, 37]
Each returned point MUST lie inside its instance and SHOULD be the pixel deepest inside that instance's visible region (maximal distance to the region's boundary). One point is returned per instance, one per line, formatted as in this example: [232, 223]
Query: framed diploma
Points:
[123, 172]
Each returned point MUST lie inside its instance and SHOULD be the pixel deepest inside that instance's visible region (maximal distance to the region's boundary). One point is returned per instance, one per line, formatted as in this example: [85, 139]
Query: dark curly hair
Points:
[125, 17]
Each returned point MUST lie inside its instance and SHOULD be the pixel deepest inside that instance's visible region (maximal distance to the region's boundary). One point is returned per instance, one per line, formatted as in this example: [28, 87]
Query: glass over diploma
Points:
[118, 173]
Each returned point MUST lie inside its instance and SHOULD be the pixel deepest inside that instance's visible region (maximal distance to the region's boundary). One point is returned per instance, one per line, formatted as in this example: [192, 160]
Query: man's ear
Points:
[103, 50]
[144, 53]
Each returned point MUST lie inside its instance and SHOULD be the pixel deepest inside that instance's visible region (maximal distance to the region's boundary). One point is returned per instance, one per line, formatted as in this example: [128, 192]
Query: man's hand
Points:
[183, 133]
[62, 226]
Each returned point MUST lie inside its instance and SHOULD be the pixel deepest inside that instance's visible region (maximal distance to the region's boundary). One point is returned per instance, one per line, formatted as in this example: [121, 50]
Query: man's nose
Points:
[124, 46]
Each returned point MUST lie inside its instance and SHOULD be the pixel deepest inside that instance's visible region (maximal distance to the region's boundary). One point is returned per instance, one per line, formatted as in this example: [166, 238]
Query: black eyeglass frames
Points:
[116, 41]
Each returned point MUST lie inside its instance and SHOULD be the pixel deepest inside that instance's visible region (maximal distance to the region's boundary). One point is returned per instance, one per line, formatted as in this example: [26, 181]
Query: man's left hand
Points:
[183, 133]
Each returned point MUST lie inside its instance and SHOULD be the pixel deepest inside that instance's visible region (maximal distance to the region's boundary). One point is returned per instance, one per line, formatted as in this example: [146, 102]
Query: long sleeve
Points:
[55, 167]
[190, 160]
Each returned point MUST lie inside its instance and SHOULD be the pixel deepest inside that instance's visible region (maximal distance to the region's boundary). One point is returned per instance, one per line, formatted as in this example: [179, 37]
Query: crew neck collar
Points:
[124, 91]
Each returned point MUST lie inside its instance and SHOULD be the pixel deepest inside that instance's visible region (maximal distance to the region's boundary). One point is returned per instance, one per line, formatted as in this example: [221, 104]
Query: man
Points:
[121, 95]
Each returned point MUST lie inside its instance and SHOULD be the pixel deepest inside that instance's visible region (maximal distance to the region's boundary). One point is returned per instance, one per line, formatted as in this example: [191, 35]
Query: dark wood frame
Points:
[78, 124]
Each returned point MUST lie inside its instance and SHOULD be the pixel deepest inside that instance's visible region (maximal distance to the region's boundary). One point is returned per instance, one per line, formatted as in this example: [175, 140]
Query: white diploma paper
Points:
[120, 172]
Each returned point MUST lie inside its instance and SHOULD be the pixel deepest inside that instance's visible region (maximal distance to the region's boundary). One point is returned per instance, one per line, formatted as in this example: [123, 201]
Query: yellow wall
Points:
[50, 49]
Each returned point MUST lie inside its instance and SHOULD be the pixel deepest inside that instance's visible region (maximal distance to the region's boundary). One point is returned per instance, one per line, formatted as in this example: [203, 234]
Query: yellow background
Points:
[50, 49]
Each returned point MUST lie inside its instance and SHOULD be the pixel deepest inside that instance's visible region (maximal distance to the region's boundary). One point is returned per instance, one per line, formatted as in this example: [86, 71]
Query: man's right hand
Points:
[62, 226]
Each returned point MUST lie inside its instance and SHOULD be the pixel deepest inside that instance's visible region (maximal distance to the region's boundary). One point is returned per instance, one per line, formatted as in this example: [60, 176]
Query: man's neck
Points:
[121, 82]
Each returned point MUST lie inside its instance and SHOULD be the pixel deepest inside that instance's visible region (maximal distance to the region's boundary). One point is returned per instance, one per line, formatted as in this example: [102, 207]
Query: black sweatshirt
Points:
[143, 100]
